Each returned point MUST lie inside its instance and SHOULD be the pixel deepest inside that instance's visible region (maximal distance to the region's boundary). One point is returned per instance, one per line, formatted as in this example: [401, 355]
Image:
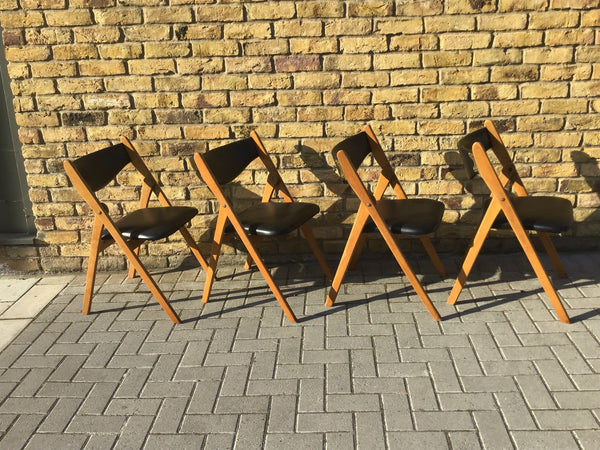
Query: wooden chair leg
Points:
[92, 266]
[131, 272]
[360, 245]
[349, 251]
[309, 236]
[193, 245]
[537, 265]
[433, 255]
[552, 253]
[214, 256]
[255, 241]
[475, 248]
[393, 246]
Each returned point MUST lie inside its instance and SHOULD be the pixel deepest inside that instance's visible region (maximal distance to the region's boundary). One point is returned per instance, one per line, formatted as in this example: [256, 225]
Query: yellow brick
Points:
[129, 84]
[446, 59]
[199, 65]
[359, 97]
[361, 80]
[166, 50]
[565, 139]
[63, 134]
[414, 77]
[510, 108]
[230, 115]
[540, 123]
[501, 57]
[270, 47]
[554, 170]
[156, 100]
[250, 64]
[517, 5]
[100, 68]
[271, 10]
[317, 80]
[135, 117]
[348, 27]
[441, 94]
[565, 72]
[204, 100]
[274, 114]
[569, 37]
[420, 8]
[408, 25]
[544, 90]
[224, 83]
[146, 33]
[319, 113]
[497, 22]
[120, 51]
[389, 61]
[97, 35]
[151, 67]
[177, 83]
[79, 85]
[553, 19]
[465, 76]
[18, 71]
[247, 30]
[75, 51]
[587, 54]
[159, 132]
[118, 16]
[548, 55]
[435, 187]
[567, 106]
[21, 19]
[68, 18]
[313, 45]
[514, 73]
[289, 130]
[37, 119]
[269, 81]
[47, 36]
[319, 9]
[289, 28]
[448, 23]
[590, 18]
[408, 111]
[198, 31]
[252, 98]
[53, 69]
[465, 109]
[32, 53]
[463, 41]
[363, 44]
[398, 95]
[172, 14]
[445, 127]
[412, 42]
[346, 62]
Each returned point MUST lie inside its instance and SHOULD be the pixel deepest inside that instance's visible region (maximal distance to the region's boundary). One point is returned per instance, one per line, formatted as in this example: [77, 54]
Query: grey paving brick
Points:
[242, 405]
[133, 382]
[96, 424]
[208, 423]
[587, 439]
[67, 368]
[418, 369]
[272, 387]
[565, 419]
[282, 414]
[60, 415]
[462, 401]
[324, 422]
[369, 430]
[312, 396]
[178, 441]
[464, 440]
[300, 371]
[134, 432]
[377, 385]
[170, 415]
[263, 365]
[543, 440]
[23, 405]
[22, 429]
[576, 400]
[420, 439]
[489, 383]
[535, 392]
[421, 394]
[386, 350]
[554, 375]
[349, 342]
[362, 363]
[444, 377]
[53, 440]
[588, 382]
[251, 432]
[204, 397]
[98, 398]
[492, 430]
[100, 442]
[501, 368]
[352, 402]
[304, 441]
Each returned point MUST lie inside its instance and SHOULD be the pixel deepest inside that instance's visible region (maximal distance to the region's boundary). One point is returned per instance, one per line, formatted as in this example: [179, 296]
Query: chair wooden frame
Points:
[501, 202]
[130, 247]
[274, 184]
[368, 208]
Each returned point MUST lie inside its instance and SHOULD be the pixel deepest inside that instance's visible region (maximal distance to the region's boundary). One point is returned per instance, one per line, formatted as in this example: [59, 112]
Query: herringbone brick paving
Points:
[373, 372]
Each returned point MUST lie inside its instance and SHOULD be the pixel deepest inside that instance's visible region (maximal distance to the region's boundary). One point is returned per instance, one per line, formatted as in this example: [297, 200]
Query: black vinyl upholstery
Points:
[275, 219]
[228, 161]
[101, 167]
[357, 148]
[152, 224]
[548, 214]
[415, 216]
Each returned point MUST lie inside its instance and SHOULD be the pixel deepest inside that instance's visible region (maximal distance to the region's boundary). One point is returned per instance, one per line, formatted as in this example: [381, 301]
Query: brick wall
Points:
[188, 75]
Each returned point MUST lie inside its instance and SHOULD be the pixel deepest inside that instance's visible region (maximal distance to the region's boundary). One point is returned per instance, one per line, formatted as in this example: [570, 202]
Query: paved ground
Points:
[373, 372]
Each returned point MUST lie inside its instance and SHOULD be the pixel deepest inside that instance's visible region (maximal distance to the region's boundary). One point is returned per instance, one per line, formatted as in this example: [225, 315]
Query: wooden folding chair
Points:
[92, 172]
[412, 217]
[542, 214]
[222, 165]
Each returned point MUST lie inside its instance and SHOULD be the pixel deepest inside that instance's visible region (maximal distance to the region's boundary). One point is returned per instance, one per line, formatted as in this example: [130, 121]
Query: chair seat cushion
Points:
[415, 216]
[548, 214]
[153, 223]
[275, 219]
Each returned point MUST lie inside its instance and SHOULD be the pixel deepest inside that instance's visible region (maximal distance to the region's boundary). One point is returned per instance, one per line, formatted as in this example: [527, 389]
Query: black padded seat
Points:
[547, 214]
[151, 224]
[275, 219]
[413, 216]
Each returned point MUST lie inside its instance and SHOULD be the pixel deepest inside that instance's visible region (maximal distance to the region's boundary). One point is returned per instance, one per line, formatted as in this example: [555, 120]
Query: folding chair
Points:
[542, 214]
[92, 172]
[412, 217]
[222, 165]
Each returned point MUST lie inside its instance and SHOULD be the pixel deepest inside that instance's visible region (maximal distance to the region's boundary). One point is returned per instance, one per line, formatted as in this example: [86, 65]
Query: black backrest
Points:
[229, 160]
[465, 148]
[101, 167]
[357, 148]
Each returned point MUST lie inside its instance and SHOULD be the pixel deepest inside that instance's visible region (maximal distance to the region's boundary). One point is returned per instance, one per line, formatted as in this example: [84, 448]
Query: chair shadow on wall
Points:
[578, 276]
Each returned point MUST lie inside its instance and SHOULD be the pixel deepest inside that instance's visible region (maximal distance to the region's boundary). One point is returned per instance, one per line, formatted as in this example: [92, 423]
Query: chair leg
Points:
[214, 256]
[131, 271]
[347, 256]
[553, 254]
[435, 259]
[309, 236]
[476, 244]
[393, 246]
[255, 241]
[193, 245]
[92, 266]
[537, 265]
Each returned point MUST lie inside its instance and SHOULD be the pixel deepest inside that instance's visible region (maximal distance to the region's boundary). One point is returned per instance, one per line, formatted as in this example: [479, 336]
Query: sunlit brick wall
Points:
[183, 76]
